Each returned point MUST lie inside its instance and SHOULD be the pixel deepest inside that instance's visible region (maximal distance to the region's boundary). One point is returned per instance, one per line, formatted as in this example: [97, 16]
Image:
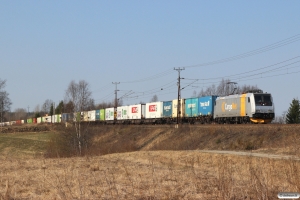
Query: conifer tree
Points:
[293, 114]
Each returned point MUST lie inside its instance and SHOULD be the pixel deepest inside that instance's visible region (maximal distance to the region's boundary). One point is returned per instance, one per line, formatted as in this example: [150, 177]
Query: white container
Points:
[38, 120]
[92, 115]
[154, 110]
[85, 116]
[109, 114]
[122, 112]
[174, 108]
[56, 118]
[46, 119]
[136, 111]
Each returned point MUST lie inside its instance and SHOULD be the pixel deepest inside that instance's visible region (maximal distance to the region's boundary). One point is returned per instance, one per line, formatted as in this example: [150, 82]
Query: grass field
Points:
[24, 145]
[149, 175]
[166, 164]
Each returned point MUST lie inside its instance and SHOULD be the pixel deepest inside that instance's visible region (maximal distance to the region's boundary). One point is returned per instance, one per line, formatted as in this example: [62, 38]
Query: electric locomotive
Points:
[251, 107]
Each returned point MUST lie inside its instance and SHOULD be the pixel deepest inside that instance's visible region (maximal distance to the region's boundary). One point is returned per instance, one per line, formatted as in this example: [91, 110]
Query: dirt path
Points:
[241, 153]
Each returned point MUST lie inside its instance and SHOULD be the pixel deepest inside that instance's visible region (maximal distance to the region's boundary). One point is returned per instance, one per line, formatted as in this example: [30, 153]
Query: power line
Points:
[159, 75]
[275, 45]
[255, 70]
[281, 43]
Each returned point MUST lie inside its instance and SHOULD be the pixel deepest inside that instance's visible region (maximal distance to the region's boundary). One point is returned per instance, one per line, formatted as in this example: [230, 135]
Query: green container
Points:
[102, 115]
[29, 121]
[58, 119]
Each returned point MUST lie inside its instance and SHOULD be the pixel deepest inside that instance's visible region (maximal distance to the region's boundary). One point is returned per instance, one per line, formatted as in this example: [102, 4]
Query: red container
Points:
[34, 120]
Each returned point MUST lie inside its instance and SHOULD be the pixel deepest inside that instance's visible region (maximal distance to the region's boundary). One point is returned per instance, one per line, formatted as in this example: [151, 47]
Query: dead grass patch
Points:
[149, 175]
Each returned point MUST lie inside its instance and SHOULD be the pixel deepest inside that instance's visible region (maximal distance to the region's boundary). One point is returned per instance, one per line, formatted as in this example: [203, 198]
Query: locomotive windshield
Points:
[263, 99]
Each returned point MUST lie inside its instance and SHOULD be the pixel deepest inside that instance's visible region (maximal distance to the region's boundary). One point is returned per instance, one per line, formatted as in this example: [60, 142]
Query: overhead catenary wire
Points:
[238, 76]
[275, 45]
[249, 73]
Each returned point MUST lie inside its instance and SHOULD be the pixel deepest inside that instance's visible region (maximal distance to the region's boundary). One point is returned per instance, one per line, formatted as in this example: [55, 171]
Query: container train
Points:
[251, 107]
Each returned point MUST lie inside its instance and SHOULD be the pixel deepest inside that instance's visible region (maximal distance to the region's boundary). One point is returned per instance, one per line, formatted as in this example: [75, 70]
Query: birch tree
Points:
[80, 96]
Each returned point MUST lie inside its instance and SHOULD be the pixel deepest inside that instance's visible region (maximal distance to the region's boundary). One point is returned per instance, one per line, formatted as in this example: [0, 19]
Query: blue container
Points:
[97, 115]
[191, 107]
[67, 117]
[64, 117]
[206, 105]
[167, 109]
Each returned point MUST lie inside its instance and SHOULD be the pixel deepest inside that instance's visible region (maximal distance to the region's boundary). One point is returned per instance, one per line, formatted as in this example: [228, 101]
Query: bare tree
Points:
[208, 92]
[37, 109]
[5, 101]
[246, 88]
[20, 113]
[154, 98]
[79, 95]
[105, 105]
[224, 89]
[194, 94]
[47, 106]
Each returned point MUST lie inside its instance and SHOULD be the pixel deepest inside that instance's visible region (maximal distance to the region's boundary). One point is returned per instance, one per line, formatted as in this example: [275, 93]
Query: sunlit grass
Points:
[24, 144]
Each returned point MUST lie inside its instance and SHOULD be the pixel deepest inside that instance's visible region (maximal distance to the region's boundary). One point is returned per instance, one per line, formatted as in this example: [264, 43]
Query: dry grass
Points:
[156, 170]
[149, 175]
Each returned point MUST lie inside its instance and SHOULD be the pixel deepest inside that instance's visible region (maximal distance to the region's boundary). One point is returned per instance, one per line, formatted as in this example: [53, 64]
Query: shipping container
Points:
[58, 119]
[97, 115]
[109, 114]
[29, 121]
[167, 109]
[92, 115]
[22, 121]
[191, 107]
[39, 120]
[102, 114]
[78, 116]
[46, 119]
[122, 112]
[34, 120]
[154, 110]
[65, 117]
[136, 111]
[85, 116]
[206, 105]
[174, 108]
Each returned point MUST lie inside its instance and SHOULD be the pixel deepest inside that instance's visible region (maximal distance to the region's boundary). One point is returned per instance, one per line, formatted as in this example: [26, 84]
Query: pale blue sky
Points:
[46, 44]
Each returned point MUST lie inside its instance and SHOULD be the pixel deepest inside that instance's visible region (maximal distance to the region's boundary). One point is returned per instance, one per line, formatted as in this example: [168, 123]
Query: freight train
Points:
[251, 107]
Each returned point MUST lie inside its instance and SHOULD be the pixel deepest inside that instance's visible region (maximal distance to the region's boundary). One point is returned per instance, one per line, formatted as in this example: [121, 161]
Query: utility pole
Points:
[179, 94]
[116, 96]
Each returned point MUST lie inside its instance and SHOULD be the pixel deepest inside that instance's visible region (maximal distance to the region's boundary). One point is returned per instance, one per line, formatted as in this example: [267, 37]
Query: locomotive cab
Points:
[264, 108]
